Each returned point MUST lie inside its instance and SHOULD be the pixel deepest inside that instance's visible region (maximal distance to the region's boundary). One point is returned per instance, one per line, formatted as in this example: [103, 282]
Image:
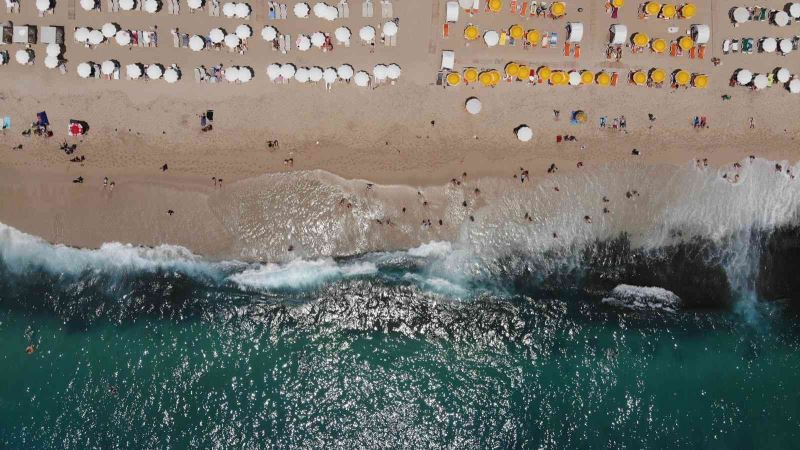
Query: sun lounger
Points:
[553, 39]
[6, 122]
[176, 39]
[726, 46]
[523, 10]
[288, 41]
[197, 75]
[735, 46]
[614, 78]
[512, 7]
[577, 52]
[283, 11]
[701, 51]
[503, 38]
[440, 79]
[446, 30]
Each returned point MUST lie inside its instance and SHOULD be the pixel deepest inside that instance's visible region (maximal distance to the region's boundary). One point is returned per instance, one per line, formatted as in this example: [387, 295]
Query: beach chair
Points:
[389, 9]
[692, 53]
[726, 46]
[701, 51]
[577, 52]
[614, 79]
[553, 39]
[523, 10]
[566, 49]
[735, 46]
[288, 39]
[446, 30]
[503, 38]
[283, 11]
[532, 9]
[512, 6]
[365, 8]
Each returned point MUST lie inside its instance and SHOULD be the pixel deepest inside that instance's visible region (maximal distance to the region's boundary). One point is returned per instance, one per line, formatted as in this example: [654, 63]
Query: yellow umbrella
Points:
[495, 76]
[558, 77]
[652, 8]
[544, 73]
[700, 81]
[686, 43]
[668, 11]
[587, 77]
[495, 5]
[485, 78]
[640, 39]
[512, 69]
[688, 10]
[658, 75]
[639, 78]
[524, 73]
[558, 9]
[471, 32]
[533, 36]
[617, 3]
[682, 77]
[658, 45]
[453, 78]
[516, 31]
[603, 79]
[581, 117]
[471, 75]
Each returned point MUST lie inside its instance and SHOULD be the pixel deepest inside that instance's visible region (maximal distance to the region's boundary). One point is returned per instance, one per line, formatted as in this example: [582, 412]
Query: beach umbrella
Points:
[453, 79]
[133, 71]
[658, 75]
[700, 81]
[303, 43]
[229, 9]
[760, 81]
[194, 4]
[473, 105]
[287, 71]
[329, 75]
[559, 77]
[769, 45]
[317, 39]
[512, 69]
[109, 30]
[640, 39]
[24, 56]
[532, 36]
[668, 11]
[232, 41]
[151, 6]
[331, 13]
[320, 9]
[491, 38]
[154, 71]
[242, 10]
[658, 45]
[302, 75]
[380, 72]
[84, 70]
[232, 74]
[783, 74]
[471, 32]
[361, 79]
[794, 86]
[524, 133]
[301, 10]
[273, 71]
[51, 61]
[245, 74]
[315, 74]
[741, 14]
[81, 34]
[685, 43]
[393, 71]
[652, 8]
[197, 43]
[587, 77]
[244, 31]
[342, 35]
[688, 10]
[603, 79]
[389, 29]
[269, 33]
[495, 5]
[108, 67]
[470, 74]
[523, 73]
[744, 77]
[366, 33]
[544, 73]
[781, 19]
[785, 45]
[617, 3]
[88, 5]
[485, 78]
[43, 5]
[558, 9]
[516, 31]
[345, 71]
[682, 77]
[123, 37]
[95, 37]
[126, 5]
[574, 78]
[216, 35]
[794, 10]
[53, 50]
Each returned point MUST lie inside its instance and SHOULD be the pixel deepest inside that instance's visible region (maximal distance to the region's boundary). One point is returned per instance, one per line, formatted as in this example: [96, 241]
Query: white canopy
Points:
[744, 77]
[785, 45]
[245, 74]
[232, 74]
[783, 74]
[760, 81]
[794, 86]
[273, 71]
[491, 38]
[448, 59]
[315, 74]
[88, 5]
[393, 71]
[452, 9]
[301, 10]
[84, 70]
[342, 35]
[794, 10]
[216, 35]
[366, 33]
[345, 71]
[154, 71]
[288, 70]
[133, 71]
[524, 133]
[151, 6]
[380, 72]
[232, 41]
[303, 43]
[244, 31]
[24, 56]
[43, 5]
[701, 34]
[269, 33]
[171, 75]
[109, 30]
[51, 61]
[302, 75]
[81, 34]
[126, 5]
[390, 29]
[473, 105]
[317, 39]
[769, 45]
[361, 79]
[619, 34]
[329, 75]
[741, 14]
[575, 32]
[197, 43]
[242, 10]
[123, 37]
[229, 9]
[108, 67]
[95, 37]
[574, 78]
[781, 19]
[53, 50]
[194, 4]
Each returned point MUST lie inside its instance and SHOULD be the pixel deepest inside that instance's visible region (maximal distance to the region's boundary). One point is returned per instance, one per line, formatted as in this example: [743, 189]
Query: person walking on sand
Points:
[752, 123]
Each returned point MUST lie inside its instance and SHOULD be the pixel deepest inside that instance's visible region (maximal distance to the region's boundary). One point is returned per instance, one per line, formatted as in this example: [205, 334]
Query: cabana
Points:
[452, 12]
[701, 34]
[574, 32]
[24, 34]
[51, 35]
[448, 59]
[619, 34]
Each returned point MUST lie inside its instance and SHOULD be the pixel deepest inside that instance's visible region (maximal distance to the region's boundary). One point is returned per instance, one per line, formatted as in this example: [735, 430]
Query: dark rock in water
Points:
[778, 268]
[643, 298]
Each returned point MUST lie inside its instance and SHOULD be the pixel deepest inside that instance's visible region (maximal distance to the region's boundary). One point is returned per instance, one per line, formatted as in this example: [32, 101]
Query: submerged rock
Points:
[643, 298]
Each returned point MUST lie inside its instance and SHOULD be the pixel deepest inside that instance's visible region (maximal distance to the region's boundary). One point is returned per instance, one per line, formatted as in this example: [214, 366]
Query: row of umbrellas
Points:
[669, 11]
[557, 9]
[740, 14]
[237, 10]
[220, 36]
[770, 45]
[760, 81]
[239, 74]
[26, 56]
[321, 10]
[150, 6]
[134, 71]
[342, 35]
[344, 72]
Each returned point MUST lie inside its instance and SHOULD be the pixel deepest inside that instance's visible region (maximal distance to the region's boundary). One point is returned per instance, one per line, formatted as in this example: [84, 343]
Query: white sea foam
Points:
[643, 298]
[300, 274]
[431, 249]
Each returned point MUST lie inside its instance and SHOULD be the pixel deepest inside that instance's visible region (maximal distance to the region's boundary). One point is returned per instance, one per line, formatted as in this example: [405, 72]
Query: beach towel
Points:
[41, 118]
[6, 122]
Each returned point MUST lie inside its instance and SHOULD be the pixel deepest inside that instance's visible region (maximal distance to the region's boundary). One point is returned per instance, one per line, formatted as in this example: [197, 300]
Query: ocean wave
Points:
[299, 274]
[643, 298]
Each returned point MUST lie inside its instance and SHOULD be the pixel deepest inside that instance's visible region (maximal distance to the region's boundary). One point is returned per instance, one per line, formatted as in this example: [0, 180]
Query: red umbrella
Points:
[75, 129]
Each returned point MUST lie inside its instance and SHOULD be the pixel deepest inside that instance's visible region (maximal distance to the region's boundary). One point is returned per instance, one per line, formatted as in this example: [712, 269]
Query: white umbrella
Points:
[302, 75]
[794, 10]
[108, 67]
[783, 75]
[194, 4]
[229, 9]
[769, 45]
[320, 9]
[109, 30]
[134, 71]
[393, 71]
[524, 133]
[390, 29]
[269, 33]
[232, 74]
[491, 38]
[785, 45]
[23, 56]
[232, 41]
[81, 34]
[361, 79]
[245, 74]
[303, 43]
[197, 43]
[53, 50]
[329, 75]
[301, 10]
[216, 35]
[331, 13]
[574, 78]
[744, 77]
[242, 10]
[315, 74]
[84, 70]
[366, 33]
[123, 37]
[151, 6]
[171, 75]
[51, 61]
[287, 71]
[43, 5]
[781, 19]
[244, 31]
[380, 72]
[273, 71]
[154, 71]
[342, 35]
[473, 105]
[760, 81]
[345, 71]
[88, 5]
[95, 37]
[317, 39]
[127, 5]
[741, 15]
[794, 86]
